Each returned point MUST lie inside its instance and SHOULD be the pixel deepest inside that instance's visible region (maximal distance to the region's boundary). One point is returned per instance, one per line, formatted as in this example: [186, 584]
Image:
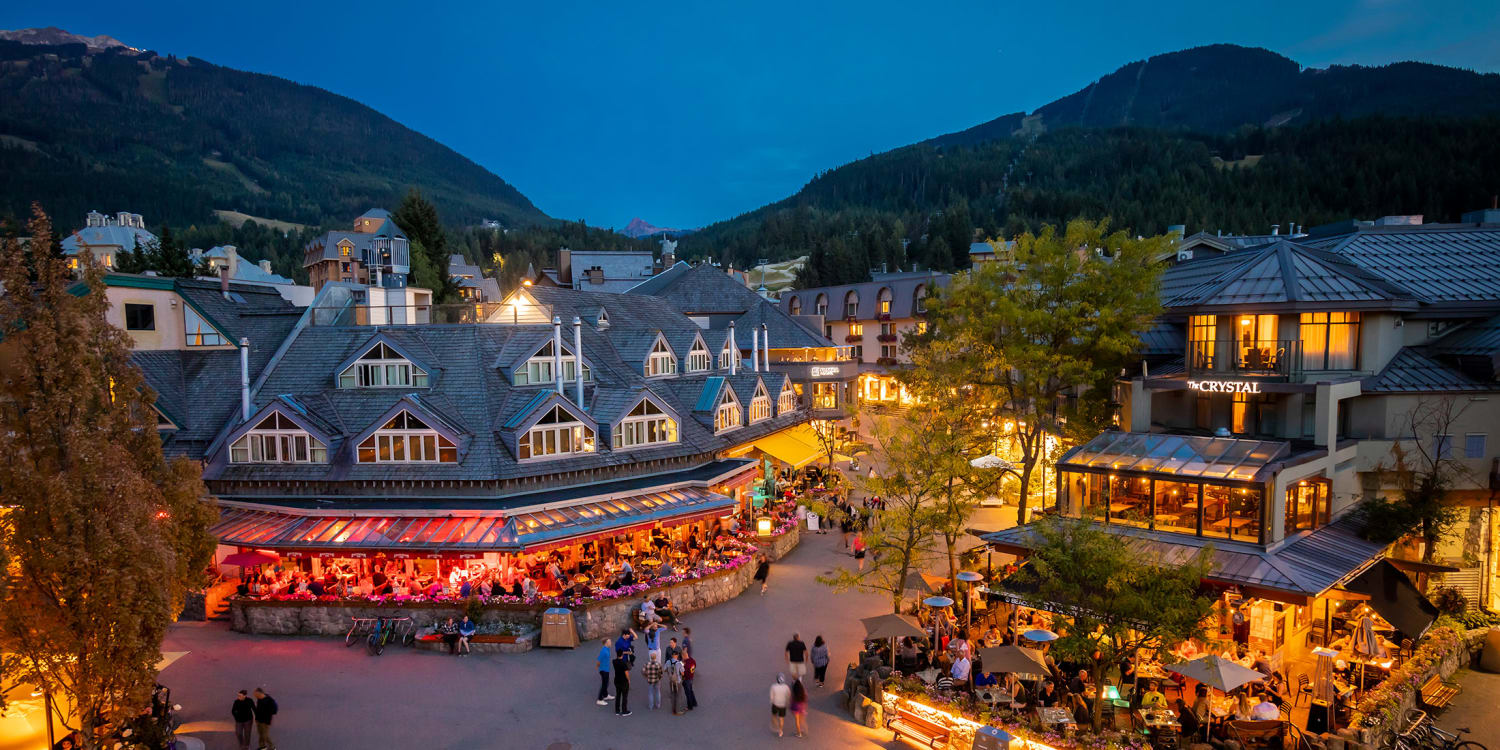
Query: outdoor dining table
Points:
[1160, 718]
[1054, 715]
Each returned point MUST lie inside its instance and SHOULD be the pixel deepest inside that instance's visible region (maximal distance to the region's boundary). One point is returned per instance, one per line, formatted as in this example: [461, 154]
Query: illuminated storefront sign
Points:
[824, 371]
[1224, 386]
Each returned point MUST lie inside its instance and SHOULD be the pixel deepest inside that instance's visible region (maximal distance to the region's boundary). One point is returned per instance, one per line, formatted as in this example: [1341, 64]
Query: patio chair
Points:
[1259, 735]
[1304, 688]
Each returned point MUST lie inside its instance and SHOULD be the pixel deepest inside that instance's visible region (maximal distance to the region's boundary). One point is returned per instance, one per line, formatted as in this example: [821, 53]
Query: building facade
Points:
[870, 319]
[105, 237]
[375, 252]
[1288, 380]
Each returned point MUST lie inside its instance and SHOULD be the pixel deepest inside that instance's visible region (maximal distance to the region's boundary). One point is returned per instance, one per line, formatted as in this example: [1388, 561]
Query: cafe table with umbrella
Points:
[1039, 635]
[892, 626]
[250, 559]
[1216, 672]
[1023, 661]
[923, 583]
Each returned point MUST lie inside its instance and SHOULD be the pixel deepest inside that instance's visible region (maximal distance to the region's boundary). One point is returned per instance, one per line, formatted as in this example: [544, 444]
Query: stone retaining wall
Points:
[594, 619]
[1356, 738]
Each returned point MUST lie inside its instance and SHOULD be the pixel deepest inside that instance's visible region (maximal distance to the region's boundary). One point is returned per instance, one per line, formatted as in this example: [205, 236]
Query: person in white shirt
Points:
[1265, 710]
[648, 611]
[781, 696]
[960, 671]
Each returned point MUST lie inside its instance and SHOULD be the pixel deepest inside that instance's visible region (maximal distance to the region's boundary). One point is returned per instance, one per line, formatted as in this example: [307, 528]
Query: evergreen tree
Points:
[419, 219]
[101, 537]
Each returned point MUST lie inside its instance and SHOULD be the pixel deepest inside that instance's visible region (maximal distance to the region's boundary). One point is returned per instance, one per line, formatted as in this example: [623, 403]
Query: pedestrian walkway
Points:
[332, 696]
[1475, 708]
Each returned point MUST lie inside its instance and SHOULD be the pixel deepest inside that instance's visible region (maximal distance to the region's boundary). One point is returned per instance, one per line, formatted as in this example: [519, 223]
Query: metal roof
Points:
[483, 531]
[1437, 264]
[1285, 272]
[1412, 370]
[1306, 567]
[1176, 455]
[1481, 339]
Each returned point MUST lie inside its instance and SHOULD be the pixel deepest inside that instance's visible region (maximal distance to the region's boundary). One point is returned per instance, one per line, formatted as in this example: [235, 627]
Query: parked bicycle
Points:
[1423, 734]
[376, 632]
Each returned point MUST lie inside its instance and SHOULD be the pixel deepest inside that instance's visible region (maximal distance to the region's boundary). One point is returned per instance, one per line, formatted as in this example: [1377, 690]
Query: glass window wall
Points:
[1176, 506]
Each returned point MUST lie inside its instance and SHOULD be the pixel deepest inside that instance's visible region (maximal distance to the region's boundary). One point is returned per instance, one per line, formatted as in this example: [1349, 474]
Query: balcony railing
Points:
[1278, 357]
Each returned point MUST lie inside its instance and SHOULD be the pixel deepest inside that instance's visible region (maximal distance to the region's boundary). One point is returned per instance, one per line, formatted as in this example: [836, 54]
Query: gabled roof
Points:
[1438, 264]
[700, 290]
[383, 337]
[1287, 273]
[537, 407]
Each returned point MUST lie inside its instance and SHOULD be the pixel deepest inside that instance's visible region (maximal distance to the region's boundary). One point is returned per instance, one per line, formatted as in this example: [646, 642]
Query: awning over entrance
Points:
[1295, 573]
[1395, 598]
[474, 531]
[797, 446]
[1191, 456]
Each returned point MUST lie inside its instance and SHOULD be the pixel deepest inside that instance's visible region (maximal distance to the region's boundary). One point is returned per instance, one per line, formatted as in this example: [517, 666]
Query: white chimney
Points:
[754, 350]
[578, 356]
[244, 380]
[265, 265]
[557, 352]
[734, 352]
[765, 347]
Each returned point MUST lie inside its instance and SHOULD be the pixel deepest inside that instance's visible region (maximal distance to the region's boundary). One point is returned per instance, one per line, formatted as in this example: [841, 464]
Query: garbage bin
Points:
[558, 629]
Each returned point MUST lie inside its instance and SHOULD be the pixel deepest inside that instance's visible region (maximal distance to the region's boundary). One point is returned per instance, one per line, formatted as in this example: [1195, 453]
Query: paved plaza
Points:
[334, 697]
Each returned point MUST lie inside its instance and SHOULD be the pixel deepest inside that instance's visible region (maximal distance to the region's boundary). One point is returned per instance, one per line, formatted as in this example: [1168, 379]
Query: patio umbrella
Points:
[1217, 673]
[1012, 659]
[881, 627]
[991, 462]
[250, 559]
[1039, 635]
[921, 582]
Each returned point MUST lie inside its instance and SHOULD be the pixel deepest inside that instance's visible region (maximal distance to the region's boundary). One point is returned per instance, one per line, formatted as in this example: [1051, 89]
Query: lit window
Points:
[856, 329]
[699, 359]
[383, 367]
[661, 361]
[407, 439]
[787, 401]
[199, 331]
[883, 301]
[557, 434]
[1201, 332]
[645, 425]
[727, 416]
[277, 440]
[760, 405]
[538, 369]
[726, 356]
[1330, 340]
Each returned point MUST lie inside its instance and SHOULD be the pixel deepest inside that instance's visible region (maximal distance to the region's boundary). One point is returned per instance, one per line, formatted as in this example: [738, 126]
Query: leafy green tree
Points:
[423, 274]
[899, 536]
[1035, 343]
[1118, 602]
[101, 537]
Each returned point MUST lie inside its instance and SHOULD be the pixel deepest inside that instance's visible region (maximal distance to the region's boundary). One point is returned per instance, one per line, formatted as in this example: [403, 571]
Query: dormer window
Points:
[919, 298]
[699, 360]
[558, 433]
[603, 321]
[883, 301]
[538, 370]
[821, 306]
[726, 356]
[851, 304]
[661, 361]
[794, 306]
[727, 415]
[383, 367]
[199, 331]
[760, 404]
[646, 424]
[278, 440]
[407, 439]
[787, 401]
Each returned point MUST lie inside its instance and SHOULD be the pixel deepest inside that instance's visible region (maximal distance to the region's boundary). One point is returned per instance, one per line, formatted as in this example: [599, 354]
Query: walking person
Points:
[781, 696]
[689, 671]
[763, 572]
[859, 548]
[687, 642]
[243, 712]
[819, 660]
[652, 672]
[673, 671]
[622, 685]
[796, 656]
[603, 659]
[265, 712]
[799, 707]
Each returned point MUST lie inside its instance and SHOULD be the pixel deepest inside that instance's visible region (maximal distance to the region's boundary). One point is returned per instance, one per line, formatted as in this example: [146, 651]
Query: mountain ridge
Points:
[176, 139]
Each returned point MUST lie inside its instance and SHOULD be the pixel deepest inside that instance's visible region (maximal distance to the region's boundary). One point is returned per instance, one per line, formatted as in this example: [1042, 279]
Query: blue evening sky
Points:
[688, 113]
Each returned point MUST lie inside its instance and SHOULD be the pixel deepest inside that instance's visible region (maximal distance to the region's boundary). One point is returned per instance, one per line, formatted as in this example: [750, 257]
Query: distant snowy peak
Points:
[638, 228]
[54, 35]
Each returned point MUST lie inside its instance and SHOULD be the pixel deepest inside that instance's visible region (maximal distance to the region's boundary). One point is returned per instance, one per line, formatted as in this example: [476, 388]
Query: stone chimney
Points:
[265, 265]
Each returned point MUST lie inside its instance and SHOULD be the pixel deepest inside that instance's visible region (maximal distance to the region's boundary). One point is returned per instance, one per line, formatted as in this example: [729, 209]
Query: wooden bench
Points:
[1437, 692]
[915, 727]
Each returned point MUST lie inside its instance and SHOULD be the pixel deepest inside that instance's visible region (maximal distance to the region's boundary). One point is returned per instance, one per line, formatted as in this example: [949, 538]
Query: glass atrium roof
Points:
[1177, 455]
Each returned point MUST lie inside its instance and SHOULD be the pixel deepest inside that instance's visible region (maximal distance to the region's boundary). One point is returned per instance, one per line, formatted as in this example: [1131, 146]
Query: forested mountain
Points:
[174, 139]
[1219, 138]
